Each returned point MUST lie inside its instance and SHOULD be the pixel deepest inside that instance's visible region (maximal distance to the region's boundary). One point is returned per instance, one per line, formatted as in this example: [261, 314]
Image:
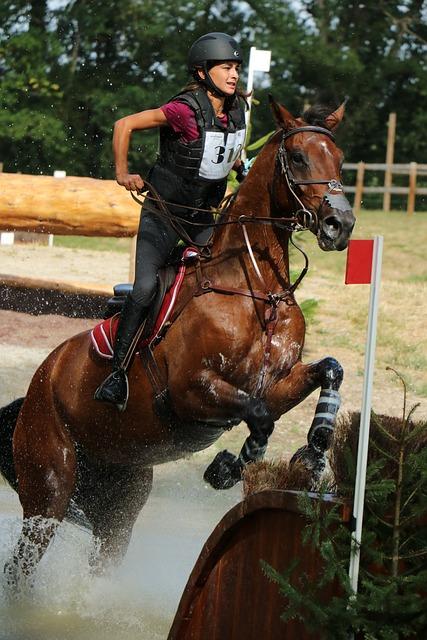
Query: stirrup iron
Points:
[109, 390]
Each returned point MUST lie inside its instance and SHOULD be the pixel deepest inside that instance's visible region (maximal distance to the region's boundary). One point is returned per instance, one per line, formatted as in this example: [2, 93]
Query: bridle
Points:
[302, 218]
[309, 218]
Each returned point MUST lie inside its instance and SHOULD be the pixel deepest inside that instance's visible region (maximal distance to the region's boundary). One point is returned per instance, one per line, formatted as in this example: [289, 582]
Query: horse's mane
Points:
[316, 115]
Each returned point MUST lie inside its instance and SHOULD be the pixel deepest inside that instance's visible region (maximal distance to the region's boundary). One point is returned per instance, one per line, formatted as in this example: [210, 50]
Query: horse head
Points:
[311, 163]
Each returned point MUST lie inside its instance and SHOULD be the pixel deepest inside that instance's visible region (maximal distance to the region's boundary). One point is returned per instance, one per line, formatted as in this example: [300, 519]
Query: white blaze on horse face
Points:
[325, 148]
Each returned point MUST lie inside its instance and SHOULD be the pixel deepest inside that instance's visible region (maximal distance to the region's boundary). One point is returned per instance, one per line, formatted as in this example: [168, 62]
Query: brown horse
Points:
[233, 354]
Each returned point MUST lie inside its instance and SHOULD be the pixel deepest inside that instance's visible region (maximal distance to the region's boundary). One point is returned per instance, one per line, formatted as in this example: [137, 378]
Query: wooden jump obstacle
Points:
[227, 595]
[69, 206]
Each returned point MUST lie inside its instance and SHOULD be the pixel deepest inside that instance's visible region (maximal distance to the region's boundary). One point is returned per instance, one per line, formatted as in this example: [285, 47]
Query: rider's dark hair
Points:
[316, 115]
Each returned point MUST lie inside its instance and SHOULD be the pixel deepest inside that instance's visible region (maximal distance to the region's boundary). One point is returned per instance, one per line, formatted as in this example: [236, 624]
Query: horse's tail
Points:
[8, 417]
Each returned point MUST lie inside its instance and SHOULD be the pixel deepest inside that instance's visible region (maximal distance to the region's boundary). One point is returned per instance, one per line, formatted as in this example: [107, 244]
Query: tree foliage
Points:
[70, 69]
[390, 603]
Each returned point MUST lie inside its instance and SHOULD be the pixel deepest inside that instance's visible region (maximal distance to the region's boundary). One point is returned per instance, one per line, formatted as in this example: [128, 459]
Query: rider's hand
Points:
[131, 181]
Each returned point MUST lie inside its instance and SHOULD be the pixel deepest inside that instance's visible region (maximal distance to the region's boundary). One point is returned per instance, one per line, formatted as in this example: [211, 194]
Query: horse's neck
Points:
[269, 244]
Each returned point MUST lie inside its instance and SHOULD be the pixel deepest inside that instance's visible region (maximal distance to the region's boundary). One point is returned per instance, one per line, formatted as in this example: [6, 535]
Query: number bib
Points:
[220, 153]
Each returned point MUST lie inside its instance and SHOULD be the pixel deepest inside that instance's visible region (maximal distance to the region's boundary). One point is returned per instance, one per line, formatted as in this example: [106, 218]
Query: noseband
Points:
[333, 196]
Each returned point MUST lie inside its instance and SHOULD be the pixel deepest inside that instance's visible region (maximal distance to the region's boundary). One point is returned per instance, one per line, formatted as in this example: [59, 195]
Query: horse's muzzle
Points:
[335, 229]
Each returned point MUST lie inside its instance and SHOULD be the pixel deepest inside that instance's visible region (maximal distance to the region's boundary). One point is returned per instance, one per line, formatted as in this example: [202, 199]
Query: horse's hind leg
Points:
[45, 465]
[121, 492]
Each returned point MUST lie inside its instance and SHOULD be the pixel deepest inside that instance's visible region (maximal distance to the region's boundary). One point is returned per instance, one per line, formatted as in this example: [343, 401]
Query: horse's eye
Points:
[297, 158]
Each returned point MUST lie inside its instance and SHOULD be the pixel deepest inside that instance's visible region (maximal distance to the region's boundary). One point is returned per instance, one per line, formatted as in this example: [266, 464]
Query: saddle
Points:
[170, 280]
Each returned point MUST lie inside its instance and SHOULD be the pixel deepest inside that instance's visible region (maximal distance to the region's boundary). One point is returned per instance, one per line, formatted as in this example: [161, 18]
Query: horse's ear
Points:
[283, 118]
[333, 119]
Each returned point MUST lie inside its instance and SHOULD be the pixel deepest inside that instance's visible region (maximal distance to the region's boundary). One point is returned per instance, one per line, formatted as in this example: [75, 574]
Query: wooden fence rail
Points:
[412, 169]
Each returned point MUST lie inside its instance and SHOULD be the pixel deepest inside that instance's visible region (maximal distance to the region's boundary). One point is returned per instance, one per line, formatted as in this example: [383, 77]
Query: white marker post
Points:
[365, 415]
[259, 60]
[58, 173]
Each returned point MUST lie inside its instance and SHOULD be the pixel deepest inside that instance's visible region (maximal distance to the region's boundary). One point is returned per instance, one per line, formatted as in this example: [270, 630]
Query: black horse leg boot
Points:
[115, 388]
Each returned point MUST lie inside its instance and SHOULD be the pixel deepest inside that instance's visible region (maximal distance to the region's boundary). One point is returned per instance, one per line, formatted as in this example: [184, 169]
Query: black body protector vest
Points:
[195, 173]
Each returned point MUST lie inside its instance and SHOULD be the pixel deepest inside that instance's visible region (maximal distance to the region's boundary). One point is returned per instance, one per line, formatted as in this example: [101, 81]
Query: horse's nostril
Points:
[332, 226]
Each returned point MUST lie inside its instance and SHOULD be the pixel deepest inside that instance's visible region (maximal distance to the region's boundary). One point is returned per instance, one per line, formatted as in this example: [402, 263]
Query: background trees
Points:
[69, 69]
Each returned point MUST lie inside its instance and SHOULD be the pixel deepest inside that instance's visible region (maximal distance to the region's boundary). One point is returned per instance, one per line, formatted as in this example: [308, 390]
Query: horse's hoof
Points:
[224, 471]
[313, 459]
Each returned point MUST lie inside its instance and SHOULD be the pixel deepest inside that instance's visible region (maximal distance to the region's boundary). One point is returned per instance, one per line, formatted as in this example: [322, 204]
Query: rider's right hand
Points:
[131, 181]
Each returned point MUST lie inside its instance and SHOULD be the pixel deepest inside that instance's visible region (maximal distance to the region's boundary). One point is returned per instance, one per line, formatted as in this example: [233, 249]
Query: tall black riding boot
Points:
[115, 388]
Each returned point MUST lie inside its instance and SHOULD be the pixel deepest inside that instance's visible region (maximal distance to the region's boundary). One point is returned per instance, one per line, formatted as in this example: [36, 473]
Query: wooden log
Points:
[66, 206]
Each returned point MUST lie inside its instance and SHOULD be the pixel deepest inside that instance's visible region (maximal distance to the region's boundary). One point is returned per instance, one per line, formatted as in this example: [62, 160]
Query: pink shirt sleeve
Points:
[182, 120]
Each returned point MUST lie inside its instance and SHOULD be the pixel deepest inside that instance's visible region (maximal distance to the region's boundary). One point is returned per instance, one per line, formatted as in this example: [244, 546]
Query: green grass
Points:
[341, 317]
[405, 242]
[417, 279]
[120, 245]
[309, 307]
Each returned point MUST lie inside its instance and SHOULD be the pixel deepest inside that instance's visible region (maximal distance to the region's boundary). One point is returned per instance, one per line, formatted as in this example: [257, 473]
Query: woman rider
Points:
[202, 132]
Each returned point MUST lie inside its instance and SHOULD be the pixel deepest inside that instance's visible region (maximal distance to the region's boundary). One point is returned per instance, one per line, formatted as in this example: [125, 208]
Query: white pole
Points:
[365, 415]
[249, 87]
[58, 173]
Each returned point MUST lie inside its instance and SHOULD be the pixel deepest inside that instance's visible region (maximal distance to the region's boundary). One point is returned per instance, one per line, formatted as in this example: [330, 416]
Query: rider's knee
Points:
[143, 292]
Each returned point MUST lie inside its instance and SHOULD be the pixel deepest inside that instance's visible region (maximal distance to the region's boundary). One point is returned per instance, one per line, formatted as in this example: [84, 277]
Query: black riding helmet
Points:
[212, 48]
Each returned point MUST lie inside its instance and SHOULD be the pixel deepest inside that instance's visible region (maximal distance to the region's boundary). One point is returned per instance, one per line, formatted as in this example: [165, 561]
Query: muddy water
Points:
[139, 599]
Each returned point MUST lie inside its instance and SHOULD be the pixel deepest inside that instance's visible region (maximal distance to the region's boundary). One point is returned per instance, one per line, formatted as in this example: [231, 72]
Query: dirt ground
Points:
[25, 339]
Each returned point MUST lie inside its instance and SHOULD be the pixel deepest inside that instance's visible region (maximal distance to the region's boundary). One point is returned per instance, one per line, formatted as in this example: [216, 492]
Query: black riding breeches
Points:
[155, 241]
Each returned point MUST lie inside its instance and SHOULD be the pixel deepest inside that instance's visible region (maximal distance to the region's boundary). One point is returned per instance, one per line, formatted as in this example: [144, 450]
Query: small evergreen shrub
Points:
[391, 602]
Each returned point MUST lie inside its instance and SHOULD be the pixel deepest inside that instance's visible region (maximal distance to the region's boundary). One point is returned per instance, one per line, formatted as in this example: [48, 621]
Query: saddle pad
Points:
[103, 335]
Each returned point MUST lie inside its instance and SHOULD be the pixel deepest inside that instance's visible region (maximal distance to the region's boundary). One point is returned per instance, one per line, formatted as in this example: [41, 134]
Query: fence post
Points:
[412, 188]
[389, 160]
[359, 187]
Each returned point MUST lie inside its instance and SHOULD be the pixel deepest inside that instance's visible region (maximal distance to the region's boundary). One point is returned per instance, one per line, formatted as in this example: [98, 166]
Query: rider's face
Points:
[225, 76]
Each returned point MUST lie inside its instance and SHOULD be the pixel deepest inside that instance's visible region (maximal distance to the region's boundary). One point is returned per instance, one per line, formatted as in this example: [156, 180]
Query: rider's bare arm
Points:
[123, 130]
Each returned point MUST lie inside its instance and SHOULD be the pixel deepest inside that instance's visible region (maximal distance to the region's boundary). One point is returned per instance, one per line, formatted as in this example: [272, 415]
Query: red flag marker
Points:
[364, 260]
[359, 262]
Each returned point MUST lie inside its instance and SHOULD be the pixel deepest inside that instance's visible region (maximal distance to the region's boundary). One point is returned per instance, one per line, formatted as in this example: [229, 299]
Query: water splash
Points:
[138, 599]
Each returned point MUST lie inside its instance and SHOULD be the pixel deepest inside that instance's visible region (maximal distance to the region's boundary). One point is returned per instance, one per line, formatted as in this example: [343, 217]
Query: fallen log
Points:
[66, 206]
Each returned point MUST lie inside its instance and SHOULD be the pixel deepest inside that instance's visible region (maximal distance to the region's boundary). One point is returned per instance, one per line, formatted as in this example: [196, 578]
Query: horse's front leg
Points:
[302, 380]
[227, 401]
[226, 469]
